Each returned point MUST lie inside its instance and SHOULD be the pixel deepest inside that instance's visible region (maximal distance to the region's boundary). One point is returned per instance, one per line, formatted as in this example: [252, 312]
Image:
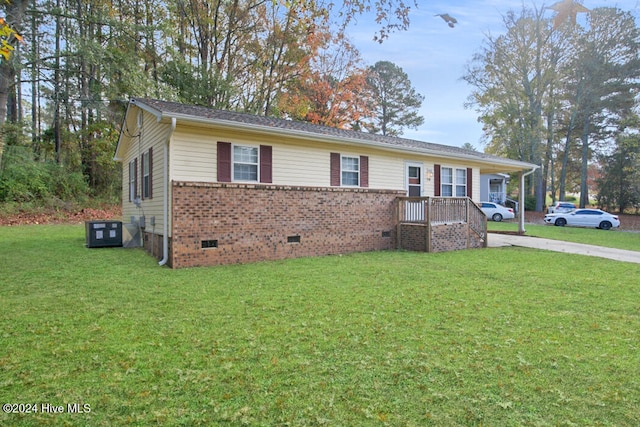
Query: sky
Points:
[434, 57]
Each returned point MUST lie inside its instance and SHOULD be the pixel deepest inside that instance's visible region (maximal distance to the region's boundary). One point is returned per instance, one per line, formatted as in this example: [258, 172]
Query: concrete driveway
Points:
[497, 240]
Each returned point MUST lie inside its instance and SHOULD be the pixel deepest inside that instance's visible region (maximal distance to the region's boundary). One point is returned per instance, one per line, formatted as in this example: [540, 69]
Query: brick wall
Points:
[413, 237]
[247, 223]
[444, 237]
[152, 243]
[449, 237]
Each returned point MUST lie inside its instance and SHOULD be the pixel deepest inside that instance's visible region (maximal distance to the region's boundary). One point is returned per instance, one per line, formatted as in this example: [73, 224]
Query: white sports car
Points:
[584, 218]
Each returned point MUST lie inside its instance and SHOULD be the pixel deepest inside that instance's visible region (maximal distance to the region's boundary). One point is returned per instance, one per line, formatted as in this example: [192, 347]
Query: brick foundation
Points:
[449, 237]
[413, 237]
[248, 223]
[152, 243]
[444, 237]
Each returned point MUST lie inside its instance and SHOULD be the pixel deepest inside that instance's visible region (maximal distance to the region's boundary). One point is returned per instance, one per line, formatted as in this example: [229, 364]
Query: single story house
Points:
[210, 187]
[493, 187]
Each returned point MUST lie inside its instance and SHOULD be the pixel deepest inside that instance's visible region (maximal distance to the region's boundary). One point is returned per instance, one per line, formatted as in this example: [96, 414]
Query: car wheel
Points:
[496, 217]
[605, 225]
[561, 222]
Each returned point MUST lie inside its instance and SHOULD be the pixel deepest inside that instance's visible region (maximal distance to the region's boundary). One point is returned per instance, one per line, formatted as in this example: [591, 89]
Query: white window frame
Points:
[461, 182]
[234, 162]
[343, 170]
[446, 183]
[457, 182]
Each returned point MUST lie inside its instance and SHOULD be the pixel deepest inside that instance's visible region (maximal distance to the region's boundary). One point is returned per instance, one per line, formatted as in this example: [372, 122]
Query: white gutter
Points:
[165, 194]
[521, 229]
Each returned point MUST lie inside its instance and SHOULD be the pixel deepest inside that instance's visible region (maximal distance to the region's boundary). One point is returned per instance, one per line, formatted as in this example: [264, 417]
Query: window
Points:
[447, 182]
[133, 179]
[245, 163]
[349, 171]
[207, 244]
[350, 167]
[145, 176]
[453, 182]
[461, 182]
[147, 171]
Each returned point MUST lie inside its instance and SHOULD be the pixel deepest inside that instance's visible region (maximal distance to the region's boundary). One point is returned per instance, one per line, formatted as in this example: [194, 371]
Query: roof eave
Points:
[116, 156]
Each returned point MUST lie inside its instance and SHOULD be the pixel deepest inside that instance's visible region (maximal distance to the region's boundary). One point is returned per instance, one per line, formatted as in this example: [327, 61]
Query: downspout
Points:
[165, 194]
[521, 229]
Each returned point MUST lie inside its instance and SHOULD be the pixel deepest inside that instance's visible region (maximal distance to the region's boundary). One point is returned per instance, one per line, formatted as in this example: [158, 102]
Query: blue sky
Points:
[434, 57]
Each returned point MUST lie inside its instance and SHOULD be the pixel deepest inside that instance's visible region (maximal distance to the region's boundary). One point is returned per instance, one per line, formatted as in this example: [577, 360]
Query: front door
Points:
[414, 179]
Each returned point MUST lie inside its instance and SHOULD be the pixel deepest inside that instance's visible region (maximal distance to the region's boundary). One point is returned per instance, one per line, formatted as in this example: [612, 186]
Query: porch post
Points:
[427, 217]
[521, 229]
[399, 224]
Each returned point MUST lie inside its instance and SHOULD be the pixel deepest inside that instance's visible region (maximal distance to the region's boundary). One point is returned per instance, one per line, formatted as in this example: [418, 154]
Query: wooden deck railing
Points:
[442, 210]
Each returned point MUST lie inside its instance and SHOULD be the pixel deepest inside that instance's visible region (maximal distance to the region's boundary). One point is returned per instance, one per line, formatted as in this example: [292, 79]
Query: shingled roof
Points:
[166, 109]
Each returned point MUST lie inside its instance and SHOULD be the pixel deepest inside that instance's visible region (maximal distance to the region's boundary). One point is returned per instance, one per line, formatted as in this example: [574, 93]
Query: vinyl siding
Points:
[193, 156]
[152, 134]
[296, 163]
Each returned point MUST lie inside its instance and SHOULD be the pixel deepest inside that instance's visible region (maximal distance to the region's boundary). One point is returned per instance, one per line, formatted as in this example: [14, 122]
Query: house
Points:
[209, 187]
[493, 187]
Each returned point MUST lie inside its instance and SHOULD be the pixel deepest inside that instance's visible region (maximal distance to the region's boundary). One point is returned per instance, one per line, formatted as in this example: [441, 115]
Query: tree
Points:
[396, 102]
[619, 183]
[607, 71]
[513, 76]
[537, 85]
[9, 32]
[333, 90]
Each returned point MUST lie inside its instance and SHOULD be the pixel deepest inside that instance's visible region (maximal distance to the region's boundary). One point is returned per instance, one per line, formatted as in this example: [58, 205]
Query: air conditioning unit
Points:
[103, 234]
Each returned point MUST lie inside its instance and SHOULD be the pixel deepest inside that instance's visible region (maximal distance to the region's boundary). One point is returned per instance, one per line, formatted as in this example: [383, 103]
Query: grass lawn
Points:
[618, 239]
[495, 337]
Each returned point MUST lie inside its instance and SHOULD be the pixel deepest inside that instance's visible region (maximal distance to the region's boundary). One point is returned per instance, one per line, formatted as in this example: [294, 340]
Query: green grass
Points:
[618, 239]
[504, 336]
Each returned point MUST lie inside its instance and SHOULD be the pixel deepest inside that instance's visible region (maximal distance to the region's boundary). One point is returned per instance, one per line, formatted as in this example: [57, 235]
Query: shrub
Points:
[67, 185]
[530, 203]
[23, 179]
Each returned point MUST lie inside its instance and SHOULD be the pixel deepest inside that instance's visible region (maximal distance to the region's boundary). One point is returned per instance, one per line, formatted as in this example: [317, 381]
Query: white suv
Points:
[561, 207]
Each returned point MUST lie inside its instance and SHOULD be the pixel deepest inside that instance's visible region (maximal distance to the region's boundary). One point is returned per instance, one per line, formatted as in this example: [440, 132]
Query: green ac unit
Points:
[103, 234]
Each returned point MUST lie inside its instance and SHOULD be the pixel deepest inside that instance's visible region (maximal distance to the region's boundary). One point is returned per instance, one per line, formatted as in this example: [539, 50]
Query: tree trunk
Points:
[584, 187]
